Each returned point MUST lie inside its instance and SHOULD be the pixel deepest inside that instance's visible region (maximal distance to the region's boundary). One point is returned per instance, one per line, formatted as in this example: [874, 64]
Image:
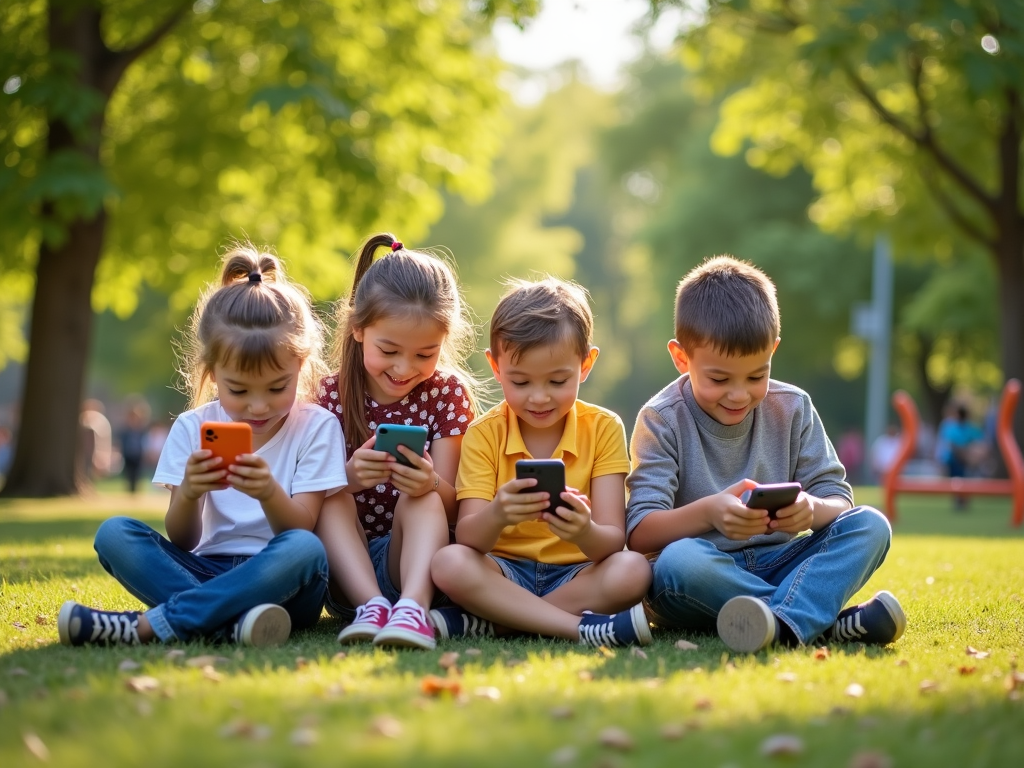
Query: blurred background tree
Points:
[148, 133]
[908, 117]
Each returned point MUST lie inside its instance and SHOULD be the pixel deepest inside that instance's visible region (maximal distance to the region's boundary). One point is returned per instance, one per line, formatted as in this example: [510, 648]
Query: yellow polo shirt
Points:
[593, 444]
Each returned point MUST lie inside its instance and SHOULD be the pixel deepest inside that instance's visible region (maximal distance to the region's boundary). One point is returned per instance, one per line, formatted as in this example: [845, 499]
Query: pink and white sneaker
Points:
[371, 618]
[407, 628]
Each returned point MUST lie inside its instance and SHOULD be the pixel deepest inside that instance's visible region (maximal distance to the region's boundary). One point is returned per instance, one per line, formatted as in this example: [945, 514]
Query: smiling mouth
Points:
[397, 382]
[541, 414]
[257, 422]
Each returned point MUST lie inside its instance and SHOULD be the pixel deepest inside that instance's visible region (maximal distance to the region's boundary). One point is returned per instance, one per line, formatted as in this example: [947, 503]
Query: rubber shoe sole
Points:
[892, 605]
[641, 625]
[397, 637]
[264, 626]
[358, 633]
[746, 625]
[64, 619]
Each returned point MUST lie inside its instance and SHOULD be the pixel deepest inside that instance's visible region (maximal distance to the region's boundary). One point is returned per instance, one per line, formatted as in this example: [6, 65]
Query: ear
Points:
[495, 370]
[357, 334]
[588, 363]
[777, 340]
[679, 357]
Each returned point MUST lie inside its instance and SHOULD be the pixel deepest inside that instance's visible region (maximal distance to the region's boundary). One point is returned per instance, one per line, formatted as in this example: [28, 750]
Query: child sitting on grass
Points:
[719, 429]
[516, 567]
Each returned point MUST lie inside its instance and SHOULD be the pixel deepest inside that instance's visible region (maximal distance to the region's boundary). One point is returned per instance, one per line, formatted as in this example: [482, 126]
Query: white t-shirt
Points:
[307, 454]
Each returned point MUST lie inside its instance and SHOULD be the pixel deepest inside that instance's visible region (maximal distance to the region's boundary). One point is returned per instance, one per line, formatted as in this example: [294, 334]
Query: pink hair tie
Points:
[397, 245]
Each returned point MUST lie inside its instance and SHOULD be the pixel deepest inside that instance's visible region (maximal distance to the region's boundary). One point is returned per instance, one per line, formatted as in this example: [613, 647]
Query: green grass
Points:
[959, 576]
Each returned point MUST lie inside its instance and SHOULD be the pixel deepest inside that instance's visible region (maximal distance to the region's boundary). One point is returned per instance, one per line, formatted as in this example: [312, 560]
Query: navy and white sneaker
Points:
[623, 628]
[878, 621]
[78, 624]
[263, 626]
[452, 622]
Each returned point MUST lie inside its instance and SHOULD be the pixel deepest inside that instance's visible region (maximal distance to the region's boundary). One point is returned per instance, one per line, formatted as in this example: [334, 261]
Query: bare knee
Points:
[454, 565]
[627, 576]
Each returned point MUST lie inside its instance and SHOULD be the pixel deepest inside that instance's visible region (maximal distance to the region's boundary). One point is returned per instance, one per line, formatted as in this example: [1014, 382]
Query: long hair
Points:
[248, 320]
[402, 284]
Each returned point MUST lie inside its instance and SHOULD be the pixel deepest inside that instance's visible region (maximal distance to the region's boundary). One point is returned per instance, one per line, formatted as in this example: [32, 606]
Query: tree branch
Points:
[961, 219]
[925, 140]
[118, 61]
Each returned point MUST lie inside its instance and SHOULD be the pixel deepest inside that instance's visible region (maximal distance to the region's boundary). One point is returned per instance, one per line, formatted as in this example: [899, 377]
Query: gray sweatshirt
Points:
[681, 454]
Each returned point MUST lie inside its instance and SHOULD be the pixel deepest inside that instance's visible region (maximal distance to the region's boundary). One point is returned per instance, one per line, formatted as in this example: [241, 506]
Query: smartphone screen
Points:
[771, 496]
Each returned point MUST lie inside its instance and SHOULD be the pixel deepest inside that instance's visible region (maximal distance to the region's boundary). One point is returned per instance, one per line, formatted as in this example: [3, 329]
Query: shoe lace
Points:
[410, 617]
[598, 633]
[372, 613]
[114, 628]
[476, 627]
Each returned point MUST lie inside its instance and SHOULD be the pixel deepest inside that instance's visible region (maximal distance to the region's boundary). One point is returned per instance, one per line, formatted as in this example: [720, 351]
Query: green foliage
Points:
[523, 702]
[304, 125]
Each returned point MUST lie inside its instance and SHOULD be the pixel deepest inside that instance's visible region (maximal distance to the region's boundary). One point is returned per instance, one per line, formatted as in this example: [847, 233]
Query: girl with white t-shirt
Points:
[239, 561]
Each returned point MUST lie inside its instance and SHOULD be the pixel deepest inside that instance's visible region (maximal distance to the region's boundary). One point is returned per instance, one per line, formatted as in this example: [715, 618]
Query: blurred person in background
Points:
[96, 444]
[960, 447]
[884, 450]
[132, 438]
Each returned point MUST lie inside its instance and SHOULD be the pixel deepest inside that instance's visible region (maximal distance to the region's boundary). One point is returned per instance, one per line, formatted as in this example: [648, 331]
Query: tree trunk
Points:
[48, 435]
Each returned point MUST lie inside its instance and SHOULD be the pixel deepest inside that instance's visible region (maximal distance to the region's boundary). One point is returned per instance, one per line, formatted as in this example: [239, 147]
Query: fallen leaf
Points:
[615, 738]
[40, 619]
[782, 745]
[976, 653]
[1014, 680]
[205, 661]
[786, 677]
[965, 670]
[673, 731]
[703, 704]
[473, 652]
[564, 756]
[339, 656]
[586, 675]
[605, 651]
[304, 737]
[686, 645]
[142, 683]
[432, 685]
[822, 653]
[19, 625]
[638, 652]
[128, 665]
[74, 587]
[212, 674]
[36, 746]
[653, 682]
[236, 728]
[175, 654]
[301, 662]
[448, 660]
[561, 713]
[854, 690]
[487, 692]
[902, 663]
[386, 726]
[928, 686]
[870, 760]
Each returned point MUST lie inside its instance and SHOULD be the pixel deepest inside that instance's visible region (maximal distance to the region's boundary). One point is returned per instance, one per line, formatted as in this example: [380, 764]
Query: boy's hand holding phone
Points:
[571, 518]
[516, 501]
[732, 517]
[797, 517]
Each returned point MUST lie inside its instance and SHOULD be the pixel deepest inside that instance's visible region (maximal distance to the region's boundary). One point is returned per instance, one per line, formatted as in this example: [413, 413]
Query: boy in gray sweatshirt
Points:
[722, 428]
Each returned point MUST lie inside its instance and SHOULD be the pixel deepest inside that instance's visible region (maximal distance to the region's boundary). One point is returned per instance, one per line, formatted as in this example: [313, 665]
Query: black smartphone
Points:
[550, 475]
[771, 496]
[390, 436]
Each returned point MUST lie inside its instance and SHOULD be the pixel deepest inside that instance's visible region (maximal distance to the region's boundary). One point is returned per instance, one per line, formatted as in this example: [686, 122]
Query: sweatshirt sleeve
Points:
[654, 481]
[818, 467]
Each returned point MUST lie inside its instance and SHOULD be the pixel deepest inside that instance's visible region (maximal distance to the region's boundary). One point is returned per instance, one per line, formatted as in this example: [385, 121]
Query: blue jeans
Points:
[538, 578]
[805, 582]
[201, 596]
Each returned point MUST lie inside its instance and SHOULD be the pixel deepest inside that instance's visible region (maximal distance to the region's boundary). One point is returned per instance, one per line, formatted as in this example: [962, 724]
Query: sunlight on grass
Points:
[921, 701]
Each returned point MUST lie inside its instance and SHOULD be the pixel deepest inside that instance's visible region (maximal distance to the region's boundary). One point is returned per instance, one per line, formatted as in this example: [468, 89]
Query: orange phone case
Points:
[226, 439]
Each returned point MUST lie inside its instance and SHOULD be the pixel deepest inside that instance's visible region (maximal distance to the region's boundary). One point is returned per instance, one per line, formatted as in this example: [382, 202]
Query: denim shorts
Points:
[379, 549]
[538, 578]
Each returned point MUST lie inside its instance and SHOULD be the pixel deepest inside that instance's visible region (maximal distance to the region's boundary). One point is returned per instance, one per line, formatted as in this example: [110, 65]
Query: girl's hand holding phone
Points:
[572, 519]
[203, 472]
[251, 475]
[369, 467]
[417, 480]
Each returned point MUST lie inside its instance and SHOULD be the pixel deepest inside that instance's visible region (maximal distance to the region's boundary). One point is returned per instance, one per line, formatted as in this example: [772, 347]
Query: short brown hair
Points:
[534, 314]
[728, 304]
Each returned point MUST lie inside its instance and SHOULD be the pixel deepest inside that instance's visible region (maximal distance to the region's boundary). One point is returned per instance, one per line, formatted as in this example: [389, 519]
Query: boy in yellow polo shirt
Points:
[515, 567]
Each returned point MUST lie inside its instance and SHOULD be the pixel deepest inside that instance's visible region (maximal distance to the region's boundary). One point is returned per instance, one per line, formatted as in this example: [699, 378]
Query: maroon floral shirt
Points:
[439, 404]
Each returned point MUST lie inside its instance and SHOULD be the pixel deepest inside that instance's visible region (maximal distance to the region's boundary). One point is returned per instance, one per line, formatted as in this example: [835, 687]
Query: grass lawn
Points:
[924, 701]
